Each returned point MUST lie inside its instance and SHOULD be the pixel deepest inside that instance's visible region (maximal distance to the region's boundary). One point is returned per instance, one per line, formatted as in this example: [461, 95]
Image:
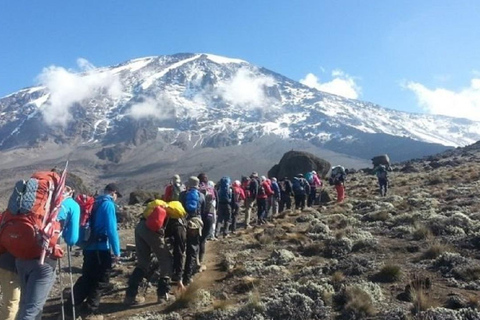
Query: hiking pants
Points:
[224, 218]
[36, 281]
[285, 202]
[268, 207]
[261, 208]
[96, 268]
[10, 285]
[146, 242]
[207, 226]
[235, 212]
[179, 244]
[300, 201]
[383, 184]
[274, 207]
[249, 203]
[340, 192]
[193, 244]
[312, 196]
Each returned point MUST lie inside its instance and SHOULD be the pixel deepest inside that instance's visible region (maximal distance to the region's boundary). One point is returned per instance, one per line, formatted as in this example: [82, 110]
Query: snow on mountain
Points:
[221, 101]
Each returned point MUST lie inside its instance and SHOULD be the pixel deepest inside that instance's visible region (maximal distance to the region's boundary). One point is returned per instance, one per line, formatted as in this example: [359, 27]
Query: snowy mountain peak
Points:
[222, 101]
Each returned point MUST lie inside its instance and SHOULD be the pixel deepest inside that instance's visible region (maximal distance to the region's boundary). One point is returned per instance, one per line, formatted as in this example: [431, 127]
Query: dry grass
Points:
[314, 249]
[435, 250]
[421, 232]
[470, 273]
[295, 238]
[246, 284]
[474, 302]
[255, 301]
[185, 298]
[421, 301]
[223, 304]
[354, 303]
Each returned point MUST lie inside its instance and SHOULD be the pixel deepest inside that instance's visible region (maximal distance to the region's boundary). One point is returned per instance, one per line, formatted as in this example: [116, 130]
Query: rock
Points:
[295, 162]
[382, 159]
[141, 196]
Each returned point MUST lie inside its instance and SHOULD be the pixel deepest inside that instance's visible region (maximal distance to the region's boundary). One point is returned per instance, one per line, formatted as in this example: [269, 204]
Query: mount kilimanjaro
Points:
[202, 111]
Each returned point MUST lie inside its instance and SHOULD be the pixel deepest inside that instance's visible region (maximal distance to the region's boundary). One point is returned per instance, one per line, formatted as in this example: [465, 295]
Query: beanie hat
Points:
[202, 177]
[211, 184]
[193, 182]
[236, 183]
[176, 178]
[263, 178]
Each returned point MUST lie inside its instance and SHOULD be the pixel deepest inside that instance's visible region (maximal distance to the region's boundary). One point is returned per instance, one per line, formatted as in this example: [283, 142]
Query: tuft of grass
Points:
[421, 232]
[355, 303]
[246, 284]
[435, 250]
[337, 277]
[184, 298]
[421, 301]
[473, 302]
[379, 216]
[389, 273]
[238, 271]
[223, 304]
[314, 249]
[255, 301]
[470, 273]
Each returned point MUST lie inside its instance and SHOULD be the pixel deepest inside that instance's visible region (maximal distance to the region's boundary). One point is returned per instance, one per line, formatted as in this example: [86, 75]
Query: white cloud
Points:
[68, 87]
[462, 104]
[159, 108]
[246, 89]
[342, 84]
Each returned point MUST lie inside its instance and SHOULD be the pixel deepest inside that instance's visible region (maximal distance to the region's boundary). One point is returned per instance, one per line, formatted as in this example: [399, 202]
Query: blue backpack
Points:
[192, 201]
[225, 192]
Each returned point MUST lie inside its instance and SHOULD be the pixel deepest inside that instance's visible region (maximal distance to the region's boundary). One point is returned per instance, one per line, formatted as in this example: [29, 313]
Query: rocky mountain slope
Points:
[411, 255]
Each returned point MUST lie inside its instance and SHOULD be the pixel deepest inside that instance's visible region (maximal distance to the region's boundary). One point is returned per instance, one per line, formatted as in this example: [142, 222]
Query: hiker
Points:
[97, 255]
[37, 279]
[251, 197]
[194, 203]
[173, 189]
[382, 175]
[275, 197]
[285, 194]
[150, 238]
[207, 187]
[300, 188]
[10, 286]
[176, 233]
[238, 196]
[337, 178]
[315, 183]
[226, 203]
[264, 191]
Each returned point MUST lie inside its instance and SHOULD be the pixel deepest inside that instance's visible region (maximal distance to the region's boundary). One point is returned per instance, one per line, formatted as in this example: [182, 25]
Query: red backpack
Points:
[24, 223]
[156, 216]
[86, 203]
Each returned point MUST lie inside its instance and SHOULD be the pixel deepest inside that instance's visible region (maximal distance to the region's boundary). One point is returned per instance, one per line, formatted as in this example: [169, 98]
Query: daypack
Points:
[338, 175]
[155, 215]
[86, 204]
[24, 221]
[261, 189]
[297, 186]
[175, 210]
[192, 201]
[225, 191]
[210, 197]
[172, 193]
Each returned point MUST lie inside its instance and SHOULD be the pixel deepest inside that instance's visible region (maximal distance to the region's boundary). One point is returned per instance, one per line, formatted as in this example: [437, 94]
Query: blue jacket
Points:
[105, 225]
[276, 189]
[69, 216]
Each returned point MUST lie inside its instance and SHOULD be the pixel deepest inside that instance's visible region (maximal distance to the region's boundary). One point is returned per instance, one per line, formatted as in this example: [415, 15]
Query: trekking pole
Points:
[71, 280]
[61, 288]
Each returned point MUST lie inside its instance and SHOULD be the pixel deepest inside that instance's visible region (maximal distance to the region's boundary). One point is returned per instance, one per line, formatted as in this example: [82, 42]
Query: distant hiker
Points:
[337, 178]
[275, 197]
[382, 175]
[315, 183]
[238, 196]
[150, 238]
[194, 203]
[97, 254]
[251, 194]
[264, 191]
[300, 189]
[10, 286]
[285, 194]
[173, 189]
[208, 189]
[226, 203]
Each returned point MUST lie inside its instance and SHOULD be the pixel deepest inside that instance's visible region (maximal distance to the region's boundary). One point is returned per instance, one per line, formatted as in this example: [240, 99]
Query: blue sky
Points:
[416, 56]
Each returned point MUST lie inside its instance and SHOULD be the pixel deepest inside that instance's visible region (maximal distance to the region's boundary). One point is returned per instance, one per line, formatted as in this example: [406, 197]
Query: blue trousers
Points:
[36, 281]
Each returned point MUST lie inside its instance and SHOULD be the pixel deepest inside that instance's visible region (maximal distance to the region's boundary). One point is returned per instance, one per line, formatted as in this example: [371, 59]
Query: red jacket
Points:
[237, 190]
[268, 190]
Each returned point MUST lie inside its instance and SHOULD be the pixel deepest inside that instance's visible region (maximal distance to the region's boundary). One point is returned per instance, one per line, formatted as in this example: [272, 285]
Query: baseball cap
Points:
[112, 187]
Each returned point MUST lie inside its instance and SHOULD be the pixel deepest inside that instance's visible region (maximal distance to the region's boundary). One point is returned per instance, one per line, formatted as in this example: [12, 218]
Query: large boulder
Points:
[141, 196]
[295, 162]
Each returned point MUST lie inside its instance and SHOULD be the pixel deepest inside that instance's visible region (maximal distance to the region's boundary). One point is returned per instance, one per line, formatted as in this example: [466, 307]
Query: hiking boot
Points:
[163, 298]
[133, 301]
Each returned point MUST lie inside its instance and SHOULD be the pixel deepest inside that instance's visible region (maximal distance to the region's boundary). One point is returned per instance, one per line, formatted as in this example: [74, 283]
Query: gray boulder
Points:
[295, 162]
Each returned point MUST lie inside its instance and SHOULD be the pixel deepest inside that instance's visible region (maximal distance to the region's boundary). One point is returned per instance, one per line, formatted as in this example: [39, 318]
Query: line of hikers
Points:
[175, 229]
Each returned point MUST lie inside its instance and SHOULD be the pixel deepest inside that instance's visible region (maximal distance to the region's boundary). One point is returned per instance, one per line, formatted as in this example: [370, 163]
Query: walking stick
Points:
[61, 288]
[71, 280]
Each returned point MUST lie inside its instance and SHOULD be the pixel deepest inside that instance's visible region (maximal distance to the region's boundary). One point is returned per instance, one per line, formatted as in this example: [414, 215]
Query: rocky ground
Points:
[414, 254]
